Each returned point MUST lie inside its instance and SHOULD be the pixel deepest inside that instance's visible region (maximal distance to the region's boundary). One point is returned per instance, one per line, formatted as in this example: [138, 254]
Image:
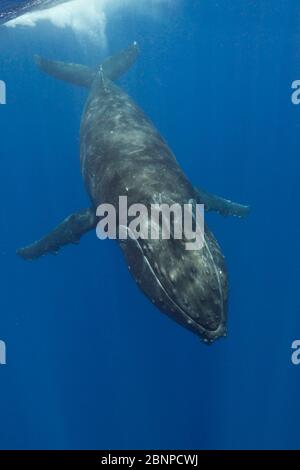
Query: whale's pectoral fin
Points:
[221, 205]
[113, 67]
[68, 232]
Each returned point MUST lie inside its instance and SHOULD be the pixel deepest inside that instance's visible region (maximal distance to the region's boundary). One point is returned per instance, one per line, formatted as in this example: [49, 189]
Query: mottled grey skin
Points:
[122, 154]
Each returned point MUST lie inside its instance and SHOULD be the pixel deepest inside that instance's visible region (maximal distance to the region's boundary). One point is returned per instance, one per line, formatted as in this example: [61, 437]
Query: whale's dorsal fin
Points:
[68, 232]
[113, 67]
[219, 204]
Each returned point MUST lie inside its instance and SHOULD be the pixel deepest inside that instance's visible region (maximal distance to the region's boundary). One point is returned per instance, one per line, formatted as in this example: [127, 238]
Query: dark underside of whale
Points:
[10, 9]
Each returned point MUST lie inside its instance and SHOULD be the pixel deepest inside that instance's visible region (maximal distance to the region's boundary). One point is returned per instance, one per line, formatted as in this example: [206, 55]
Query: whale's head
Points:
[190, 286]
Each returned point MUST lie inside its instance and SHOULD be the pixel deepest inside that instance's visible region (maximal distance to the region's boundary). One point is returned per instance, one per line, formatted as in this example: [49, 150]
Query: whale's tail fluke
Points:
[72, 73]
[113, 67]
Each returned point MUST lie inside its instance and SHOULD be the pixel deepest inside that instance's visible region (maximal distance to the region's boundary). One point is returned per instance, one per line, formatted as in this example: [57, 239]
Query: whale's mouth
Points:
[208, 333]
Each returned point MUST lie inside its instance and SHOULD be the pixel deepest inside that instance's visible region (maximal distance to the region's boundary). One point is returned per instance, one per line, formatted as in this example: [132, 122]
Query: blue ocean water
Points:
[90, 362]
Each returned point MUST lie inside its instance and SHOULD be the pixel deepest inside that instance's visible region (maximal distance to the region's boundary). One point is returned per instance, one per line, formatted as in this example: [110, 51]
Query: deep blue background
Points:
[91, 363]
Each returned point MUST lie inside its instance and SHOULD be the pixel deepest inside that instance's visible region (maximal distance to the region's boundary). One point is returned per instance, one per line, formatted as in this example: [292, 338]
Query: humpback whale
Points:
[10, 9]
[122, 153]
